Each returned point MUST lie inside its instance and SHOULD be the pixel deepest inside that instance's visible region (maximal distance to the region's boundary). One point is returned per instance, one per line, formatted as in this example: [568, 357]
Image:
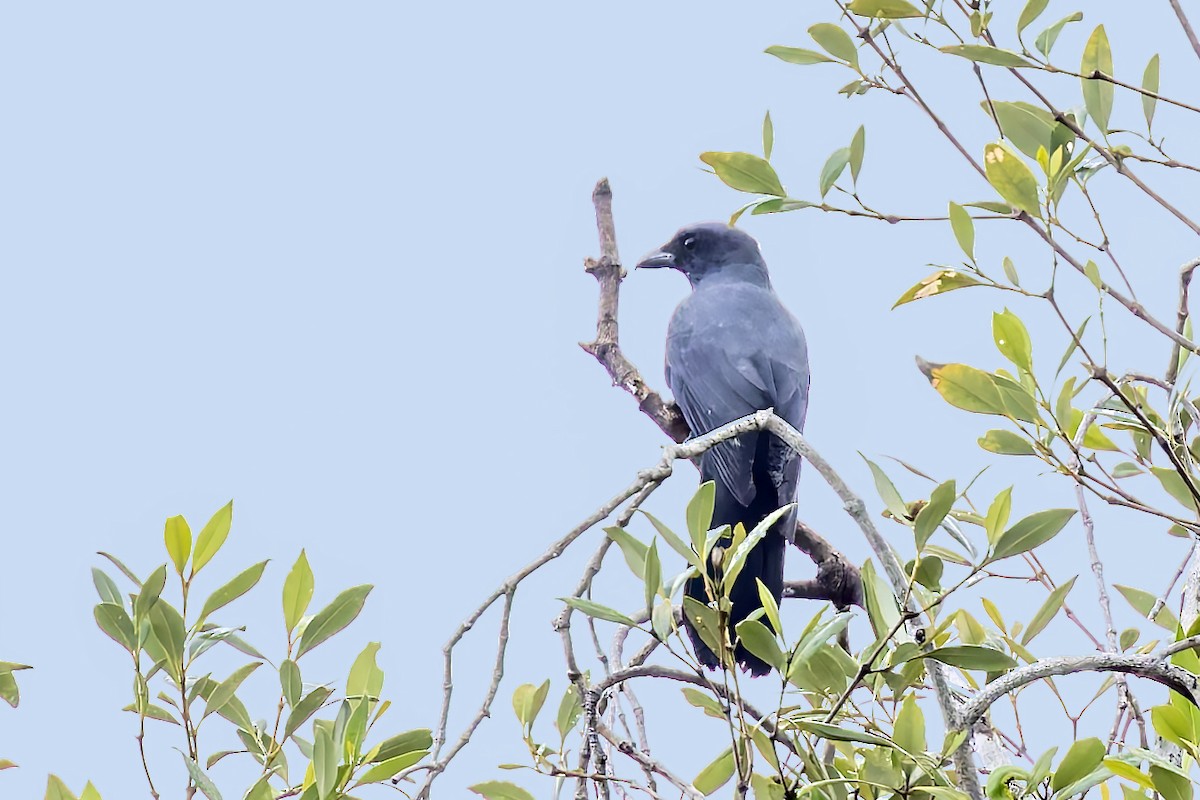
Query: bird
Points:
[734, 349]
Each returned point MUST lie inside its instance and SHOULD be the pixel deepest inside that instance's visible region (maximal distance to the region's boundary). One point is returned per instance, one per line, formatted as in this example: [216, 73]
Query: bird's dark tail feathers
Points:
[765, 563]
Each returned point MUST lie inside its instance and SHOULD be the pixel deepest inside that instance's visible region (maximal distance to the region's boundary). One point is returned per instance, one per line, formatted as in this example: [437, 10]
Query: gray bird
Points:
[733, 349]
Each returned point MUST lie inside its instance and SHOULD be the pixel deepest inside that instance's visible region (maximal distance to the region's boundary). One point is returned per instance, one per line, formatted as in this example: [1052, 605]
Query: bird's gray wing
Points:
[713, 389]
[719, 374]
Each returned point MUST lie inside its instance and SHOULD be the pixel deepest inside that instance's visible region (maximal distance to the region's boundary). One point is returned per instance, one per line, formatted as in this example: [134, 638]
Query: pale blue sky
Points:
[327, 261]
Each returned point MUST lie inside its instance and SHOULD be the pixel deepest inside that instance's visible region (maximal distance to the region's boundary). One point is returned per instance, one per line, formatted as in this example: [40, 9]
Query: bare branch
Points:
[1181, 316]
[1152, 667]
[1187, 26]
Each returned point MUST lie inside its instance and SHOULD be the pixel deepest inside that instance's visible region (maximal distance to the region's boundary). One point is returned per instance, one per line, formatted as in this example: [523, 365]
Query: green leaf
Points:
[89, 792]
[745, 172]
[124, 569]
[178, 538]
[1032, 531]
[1097, 94]
[227, 688]
[1126, 469]
[115, 622]
[964, 229]
[297, 592]
[366, 678]
[798, 55]
[986, 54]
[242, 583]
[968, 656]
[213, 535]
[324, 761]
[1012, 339]
[997, 515]
[653, 580]
[401, 743]
[882, 609]
[1175, 485]
[966, 387]
[1046, 39]
[1144, 602]
[500, 790]
[289, 682]
[1027, 127]
[768, 136]
[57, 790]
[333, 617]
[1006, 443]
[1078, 337]
[1047, 612]
[1009, 176]
[835, 41]
[887, 491]
[106, 587]
[305, 709]
[836, 734]
[597, 611]
[570, 709]
[671, 538]
[1032, 10]
[1150, 84]
[1169, 784]
[759, 640]
[1010, 271]
[1083, 757]
[699, 514]
[909, 730]
[858, 148]
[940, 282]
[168, 628]
[777, 205]
[527, 701]
[200, 779]
[386, 769]
[931, 516]
[885, 9]
[715, 775]
[151, 590]
[832, 170]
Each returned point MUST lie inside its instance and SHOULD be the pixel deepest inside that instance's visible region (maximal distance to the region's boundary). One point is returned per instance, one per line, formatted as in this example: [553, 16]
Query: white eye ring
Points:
[689, 242]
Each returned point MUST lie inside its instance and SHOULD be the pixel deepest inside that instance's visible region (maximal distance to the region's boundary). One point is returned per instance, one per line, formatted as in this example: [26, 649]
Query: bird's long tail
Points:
[765, 563]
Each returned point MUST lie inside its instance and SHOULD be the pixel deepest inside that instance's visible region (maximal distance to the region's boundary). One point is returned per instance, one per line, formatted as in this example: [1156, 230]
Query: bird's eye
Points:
[689, 242]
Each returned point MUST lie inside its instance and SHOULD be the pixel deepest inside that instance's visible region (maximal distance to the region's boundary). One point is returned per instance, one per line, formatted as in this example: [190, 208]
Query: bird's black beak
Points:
[657, 259]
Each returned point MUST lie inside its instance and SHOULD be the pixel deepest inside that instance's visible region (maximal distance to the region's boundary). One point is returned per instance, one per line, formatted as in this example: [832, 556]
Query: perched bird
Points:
[733, 349]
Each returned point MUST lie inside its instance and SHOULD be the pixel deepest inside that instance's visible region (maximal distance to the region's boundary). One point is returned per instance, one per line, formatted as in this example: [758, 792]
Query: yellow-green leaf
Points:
[745, 172]
[985, 54]
[940, 282]
[1012, 339]
[832, 170]
[885, 9]
[835, 41]
[297, 592]
[212, 536]
[1032, 531]
[1006, 443]
[1048, 611]
[1083, 757]
[1097, 94]
[1009, 176]
[909, 730]
[1150, 84]
[178, 538]
[1029, 13]
[858, 148]
[930, 517]
[716, 774]
[964, 229]
[798, 55]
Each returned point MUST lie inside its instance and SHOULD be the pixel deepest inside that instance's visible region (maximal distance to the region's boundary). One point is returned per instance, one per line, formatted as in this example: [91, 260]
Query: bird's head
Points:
[707, 249]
